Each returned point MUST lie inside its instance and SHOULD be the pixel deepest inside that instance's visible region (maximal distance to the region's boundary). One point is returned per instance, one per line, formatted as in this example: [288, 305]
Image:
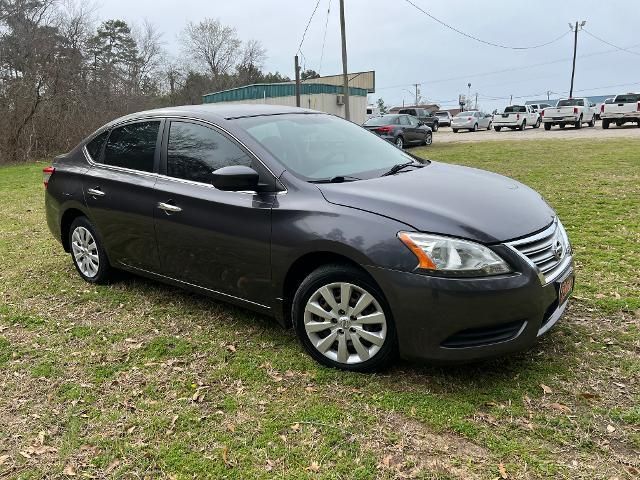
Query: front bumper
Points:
[459, 320]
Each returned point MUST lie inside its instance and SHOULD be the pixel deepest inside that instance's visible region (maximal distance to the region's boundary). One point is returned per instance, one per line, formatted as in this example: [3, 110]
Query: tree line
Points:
[63, 74]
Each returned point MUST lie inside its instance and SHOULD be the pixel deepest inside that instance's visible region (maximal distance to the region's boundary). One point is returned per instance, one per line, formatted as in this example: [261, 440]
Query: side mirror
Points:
[235, 178]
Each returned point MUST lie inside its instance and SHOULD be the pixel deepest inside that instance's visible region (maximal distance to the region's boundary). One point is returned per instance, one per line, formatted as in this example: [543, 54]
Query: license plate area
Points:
[565, 287]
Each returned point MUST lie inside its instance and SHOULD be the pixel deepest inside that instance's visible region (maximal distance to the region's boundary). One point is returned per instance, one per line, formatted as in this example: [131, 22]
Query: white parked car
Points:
[624, 109]
[570, 111]
[471, 120]
[516, 116]
[538, 107]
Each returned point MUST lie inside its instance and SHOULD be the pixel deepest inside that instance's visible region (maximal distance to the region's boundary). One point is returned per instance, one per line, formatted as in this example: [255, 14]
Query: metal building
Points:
[324, 94]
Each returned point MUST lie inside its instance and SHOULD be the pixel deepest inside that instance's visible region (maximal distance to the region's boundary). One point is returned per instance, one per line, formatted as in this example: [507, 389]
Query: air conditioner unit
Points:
[340, 99]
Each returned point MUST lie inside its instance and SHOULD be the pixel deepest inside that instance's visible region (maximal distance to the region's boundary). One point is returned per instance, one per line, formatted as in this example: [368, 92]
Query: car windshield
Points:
[384, 120]
[320, 146]
[515, 109]
[571, 102]
[628, 98]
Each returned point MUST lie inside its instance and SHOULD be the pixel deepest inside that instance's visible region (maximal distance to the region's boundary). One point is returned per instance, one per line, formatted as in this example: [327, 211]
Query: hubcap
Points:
[399, 143]
[345, 323]
[85, 252]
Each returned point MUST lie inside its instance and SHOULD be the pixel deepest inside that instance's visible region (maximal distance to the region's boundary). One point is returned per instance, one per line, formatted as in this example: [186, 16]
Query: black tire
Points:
[561, 125]
[497, 129]
[578, 124]
[335, 273]
[104, 269]
[547, 126]
[428, 139]
[592, 123]
[523, 125]
[455, 130]
[435, 127]
[399, 142]
[489, 126]
[475, 128]
[538, 122]
[605, 124]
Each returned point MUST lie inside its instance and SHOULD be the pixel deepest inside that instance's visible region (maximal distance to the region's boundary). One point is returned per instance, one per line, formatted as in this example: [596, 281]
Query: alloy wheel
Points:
[345, 323]
[399, 142]
[85, 252]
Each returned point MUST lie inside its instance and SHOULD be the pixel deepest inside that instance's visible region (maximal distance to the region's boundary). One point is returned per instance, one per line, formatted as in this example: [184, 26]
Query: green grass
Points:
[140, 379]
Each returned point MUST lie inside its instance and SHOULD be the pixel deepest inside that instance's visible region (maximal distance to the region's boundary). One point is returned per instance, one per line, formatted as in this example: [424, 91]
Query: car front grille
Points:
[549, 251]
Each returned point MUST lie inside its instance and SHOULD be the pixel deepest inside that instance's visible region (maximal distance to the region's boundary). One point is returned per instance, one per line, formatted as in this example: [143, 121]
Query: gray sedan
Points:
[471, 120]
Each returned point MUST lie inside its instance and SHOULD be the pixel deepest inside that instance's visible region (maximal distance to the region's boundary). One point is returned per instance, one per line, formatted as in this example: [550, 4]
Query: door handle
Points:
[95, 192]
[167, 207]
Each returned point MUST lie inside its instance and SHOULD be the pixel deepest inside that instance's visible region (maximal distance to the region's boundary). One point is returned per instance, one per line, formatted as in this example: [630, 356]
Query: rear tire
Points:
[435, 127]
[497, 129]
[321, 293]
[578, 124]
[475, 128]
[547, 126]
[399, 141]
[537, 125]
[562, 125]
[455, 130]
[523, 125]
[87, 252]
[605, 124]
[489, 126]
[592, 123]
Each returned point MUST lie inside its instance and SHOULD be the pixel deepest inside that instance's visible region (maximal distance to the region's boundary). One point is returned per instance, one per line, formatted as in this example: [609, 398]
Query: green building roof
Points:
[272, 90]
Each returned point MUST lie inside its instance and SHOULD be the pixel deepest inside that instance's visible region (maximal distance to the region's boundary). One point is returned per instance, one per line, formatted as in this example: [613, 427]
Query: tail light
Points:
[387, 129]
[46, 175]
[517, 116]
[602, 107]
[638, 107]
[542, 113]
[575, 110]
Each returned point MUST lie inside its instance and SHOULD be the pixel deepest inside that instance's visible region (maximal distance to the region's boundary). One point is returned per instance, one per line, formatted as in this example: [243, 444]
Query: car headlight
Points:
[453, 256]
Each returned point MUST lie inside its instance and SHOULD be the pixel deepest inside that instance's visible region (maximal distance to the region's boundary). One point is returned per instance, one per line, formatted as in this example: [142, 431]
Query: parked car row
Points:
[622, 109]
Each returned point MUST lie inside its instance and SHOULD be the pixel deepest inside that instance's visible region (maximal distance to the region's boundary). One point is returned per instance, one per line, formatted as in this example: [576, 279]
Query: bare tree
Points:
[150, 56]
[253, 54]
[212, 45]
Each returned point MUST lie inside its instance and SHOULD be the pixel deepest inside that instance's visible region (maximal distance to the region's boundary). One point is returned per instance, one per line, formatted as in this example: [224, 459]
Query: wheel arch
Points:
[306, 264]
[66, 220]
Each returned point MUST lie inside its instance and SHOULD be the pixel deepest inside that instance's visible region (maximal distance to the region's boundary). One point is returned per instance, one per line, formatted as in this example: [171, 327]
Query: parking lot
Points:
[446, 135]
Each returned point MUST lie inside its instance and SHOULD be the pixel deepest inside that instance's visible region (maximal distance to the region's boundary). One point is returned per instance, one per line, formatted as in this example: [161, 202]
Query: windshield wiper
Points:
[397, 168]
[336, 179]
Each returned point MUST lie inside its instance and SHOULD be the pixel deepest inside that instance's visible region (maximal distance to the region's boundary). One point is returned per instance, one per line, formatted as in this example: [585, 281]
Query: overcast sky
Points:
[404, 46]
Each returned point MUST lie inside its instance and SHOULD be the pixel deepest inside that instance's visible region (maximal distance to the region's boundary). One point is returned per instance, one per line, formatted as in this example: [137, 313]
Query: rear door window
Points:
[133, 146]
[628, 98]
[94, 147]
[194, 151]
[404, 120]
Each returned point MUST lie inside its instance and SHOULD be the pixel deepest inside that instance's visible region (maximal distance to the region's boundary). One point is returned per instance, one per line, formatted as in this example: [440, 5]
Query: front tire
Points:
[435, 127]
[428, 139]
[87, 252]
[490, 125]
[343, 320]
[399, 142]
[455, 130]
[475, 128]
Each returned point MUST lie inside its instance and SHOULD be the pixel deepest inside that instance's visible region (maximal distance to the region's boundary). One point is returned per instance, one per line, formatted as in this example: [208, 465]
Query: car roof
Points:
[218, 112]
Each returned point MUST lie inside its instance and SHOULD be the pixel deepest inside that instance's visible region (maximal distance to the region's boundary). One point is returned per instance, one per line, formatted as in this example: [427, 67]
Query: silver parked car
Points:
[471, 120]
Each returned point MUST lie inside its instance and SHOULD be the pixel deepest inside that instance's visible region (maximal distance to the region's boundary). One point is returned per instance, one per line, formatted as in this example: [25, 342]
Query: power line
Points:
[307, 27]
[609, 43]
[486, 42]
[324, 38]
[505, 70]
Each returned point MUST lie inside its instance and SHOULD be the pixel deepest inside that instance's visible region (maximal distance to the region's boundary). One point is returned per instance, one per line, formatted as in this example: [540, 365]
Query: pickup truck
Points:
[425, 116]
[570, 111]
[516, 116]
[624, 109]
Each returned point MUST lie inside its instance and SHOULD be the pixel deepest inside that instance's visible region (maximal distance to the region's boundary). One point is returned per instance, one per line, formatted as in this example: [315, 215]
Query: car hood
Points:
[449, 200]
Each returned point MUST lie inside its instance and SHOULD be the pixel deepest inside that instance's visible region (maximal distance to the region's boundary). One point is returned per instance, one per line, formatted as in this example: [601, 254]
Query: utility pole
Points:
[345, 76]
[417, 85]
[511, 99]
[575, 48]
[468, 95]
[476, 100]
[548, 93]
[297, 67]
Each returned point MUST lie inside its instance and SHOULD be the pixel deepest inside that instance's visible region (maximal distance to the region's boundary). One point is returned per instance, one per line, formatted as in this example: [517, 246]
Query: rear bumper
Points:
[506, 124]
[459, 320]
[465, 125]
[563, 119]
[621, 117]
